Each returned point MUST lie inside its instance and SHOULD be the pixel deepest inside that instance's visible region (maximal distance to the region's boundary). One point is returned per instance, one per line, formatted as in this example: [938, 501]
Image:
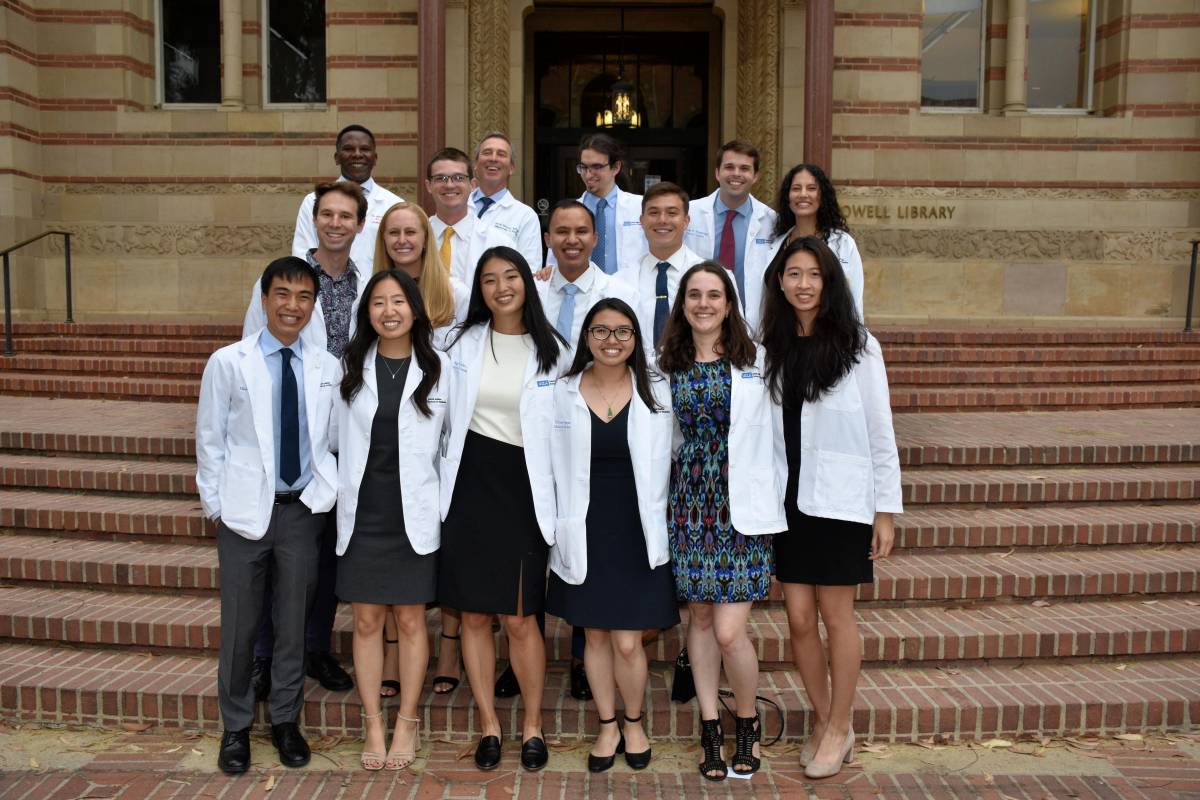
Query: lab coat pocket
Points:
[241, 483]
[843, 482]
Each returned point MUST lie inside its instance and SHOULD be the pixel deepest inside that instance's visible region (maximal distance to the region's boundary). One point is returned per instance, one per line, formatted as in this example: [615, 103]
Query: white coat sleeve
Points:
[529, 240]
[256, 318]
[305, 237]
[336, 408]
[877, 406]
[212, 422]
[853, 267]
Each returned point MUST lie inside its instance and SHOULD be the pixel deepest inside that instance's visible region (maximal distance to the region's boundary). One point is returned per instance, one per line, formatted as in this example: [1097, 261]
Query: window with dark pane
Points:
[296, 51]
[951, 53]
[1059, 37]
[191, 51]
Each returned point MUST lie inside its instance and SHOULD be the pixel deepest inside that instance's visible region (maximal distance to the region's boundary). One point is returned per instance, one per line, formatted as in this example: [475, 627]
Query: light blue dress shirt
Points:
[741, 224]
[610, 227]
[477, 193]
[270, 347]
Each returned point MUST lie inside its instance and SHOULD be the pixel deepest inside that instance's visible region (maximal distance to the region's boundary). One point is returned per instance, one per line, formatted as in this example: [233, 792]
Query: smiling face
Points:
[664, 220]
[572, 238]
[598, 180]
[288, 305]
[705, 305]
[736, 176]
[449, 186]
[801, 282]
[404, 238]
[337, 222]
[804, 195]
[502, 287]
[391, 315]
[356, 156]
[494, 166]
[611, 352]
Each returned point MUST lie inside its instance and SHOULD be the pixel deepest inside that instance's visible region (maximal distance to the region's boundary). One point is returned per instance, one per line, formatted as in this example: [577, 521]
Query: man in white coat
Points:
[355, 155]
[448, 180]
[729, 224]
[499, 217]
[265, 475]
[619, 238]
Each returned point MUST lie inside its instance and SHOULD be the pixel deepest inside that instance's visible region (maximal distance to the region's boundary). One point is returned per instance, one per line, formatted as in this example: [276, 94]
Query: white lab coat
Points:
[536, 408]
[420, 440]
[507, 222]
[314, 333]
[631, 240]
[235, 439]
[638, 286]
[843, 246]
[757, 477]
[595, 285]
[849, 467]
[649, 435]
[701, 238]
[379, 200]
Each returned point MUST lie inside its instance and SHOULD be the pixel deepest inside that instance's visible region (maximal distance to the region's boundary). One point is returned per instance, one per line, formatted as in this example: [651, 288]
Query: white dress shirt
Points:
[594, 285]
[640, 284]
[460, 244]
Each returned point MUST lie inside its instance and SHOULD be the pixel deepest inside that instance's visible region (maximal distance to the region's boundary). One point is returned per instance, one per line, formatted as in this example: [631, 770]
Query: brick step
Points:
[895, 355]
[99, 388]
[169, 623]
[105, 365]
[905, 577]
[166, 519]
[1039, 336]
[1014, 485]
[1044, 398]
[51, 684]
[96, 474]
[72, 426]
[131, 329]
[1041, 375]
[120, 345]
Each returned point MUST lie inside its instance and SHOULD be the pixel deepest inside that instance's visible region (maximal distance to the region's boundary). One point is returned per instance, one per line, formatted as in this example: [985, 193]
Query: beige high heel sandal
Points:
[398, 761]
[372, 762]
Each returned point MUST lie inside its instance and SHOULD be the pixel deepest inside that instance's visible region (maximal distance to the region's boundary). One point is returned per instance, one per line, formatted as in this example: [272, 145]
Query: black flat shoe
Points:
[636, 760]
[293, 750]
[580, 689]
[534, 754]
[487, 753]
[234, 756]
[260, 678]
[325, 669]
[604, 763]
[506, 684]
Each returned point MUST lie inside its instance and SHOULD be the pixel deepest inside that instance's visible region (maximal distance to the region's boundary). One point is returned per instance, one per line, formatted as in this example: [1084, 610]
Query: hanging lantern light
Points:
[622, 97]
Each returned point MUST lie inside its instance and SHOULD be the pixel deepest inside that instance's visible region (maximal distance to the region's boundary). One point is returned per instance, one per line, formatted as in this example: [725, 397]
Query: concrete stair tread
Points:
[131, 328]
[1052, 484]
[116, 366]
[1004, 356]
[1052, 396]
[101, 346]
[932, 375]
[976, 335]
[101, 387]
[104, 514]
[964, 702]
[893, 635]
[102, 474]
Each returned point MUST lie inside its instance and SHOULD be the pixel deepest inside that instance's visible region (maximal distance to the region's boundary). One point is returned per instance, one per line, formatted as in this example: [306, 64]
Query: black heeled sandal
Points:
[390, 683]
[748, 733]
[449, 683]
[602, 763]
[637, 760]
[712, 737]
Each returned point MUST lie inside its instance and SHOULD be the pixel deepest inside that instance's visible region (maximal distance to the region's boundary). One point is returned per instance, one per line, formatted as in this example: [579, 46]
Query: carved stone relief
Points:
[758, 87]
[488, 65]
[178, 240]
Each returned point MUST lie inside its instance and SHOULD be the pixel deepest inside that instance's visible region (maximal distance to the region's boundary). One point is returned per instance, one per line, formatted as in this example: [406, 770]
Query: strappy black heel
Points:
[748, 733]
[448, 682]
[602, 763]
[637, 760]
[390, 683]
[712, 737]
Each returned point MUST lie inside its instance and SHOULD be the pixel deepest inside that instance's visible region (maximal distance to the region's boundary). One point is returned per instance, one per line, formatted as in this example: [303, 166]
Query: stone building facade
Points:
[1002, 211]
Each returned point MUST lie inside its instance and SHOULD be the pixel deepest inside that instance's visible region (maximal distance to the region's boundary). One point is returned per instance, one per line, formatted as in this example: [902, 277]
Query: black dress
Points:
[816, 550]
[380, 565]
[620, 591]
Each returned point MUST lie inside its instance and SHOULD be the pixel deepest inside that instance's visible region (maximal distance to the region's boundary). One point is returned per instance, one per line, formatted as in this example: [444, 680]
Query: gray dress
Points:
[380, 565]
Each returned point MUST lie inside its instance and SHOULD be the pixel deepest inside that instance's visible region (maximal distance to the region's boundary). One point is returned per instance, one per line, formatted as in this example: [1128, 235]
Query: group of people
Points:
[681, 404]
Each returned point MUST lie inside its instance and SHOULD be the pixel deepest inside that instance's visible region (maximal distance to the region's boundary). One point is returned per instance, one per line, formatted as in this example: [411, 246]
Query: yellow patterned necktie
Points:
[444, 251]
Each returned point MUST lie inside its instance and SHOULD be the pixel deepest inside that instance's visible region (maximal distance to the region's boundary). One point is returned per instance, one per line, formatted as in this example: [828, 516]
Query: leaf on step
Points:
[33, 764]
[196, 752]
[1083, 744]
[989, 779]
[466, 750]
[949, 671]
[561, 746]
[270, 784]
[136, 727]
[1011, 550]
[1192, 602]
[871, 747]
[174, 749]
[1149, 602]
[1041, 603]
[1130, 737]
[1121, 667]
[992, 744]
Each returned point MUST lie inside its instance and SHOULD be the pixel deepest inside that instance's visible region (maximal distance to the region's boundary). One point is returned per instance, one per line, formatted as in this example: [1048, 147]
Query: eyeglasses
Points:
[601, 333]
[583, 168]
[456, 178]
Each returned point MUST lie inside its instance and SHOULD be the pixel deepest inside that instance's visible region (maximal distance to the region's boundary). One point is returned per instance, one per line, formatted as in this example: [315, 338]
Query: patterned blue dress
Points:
[713, 563]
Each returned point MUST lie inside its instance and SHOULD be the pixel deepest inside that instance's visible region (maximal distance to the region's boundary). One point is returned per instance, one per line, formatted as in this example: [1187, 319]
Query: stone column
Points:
[431, 94]
[818, 84]
[231, 55]
[758, 86]
[1016, 57]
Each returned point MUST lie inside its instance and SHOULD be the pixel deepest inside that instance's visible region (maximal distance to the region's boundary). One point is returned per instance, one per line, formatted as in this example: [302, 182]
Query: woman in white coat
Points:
[497, 498]
[726, 498]
[610, 452]
[389, 424]
[843, 484]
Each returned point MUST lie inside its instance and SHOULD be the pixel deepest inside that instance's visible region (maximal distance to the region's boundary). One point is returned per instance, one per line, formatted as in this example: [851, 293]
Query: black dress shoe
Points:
[534, 754]
[260, 678]
[637, 760]
[328, 672]
[293, 750]
[580, 689]
[506, 684]
[234, 756]
[487, 753]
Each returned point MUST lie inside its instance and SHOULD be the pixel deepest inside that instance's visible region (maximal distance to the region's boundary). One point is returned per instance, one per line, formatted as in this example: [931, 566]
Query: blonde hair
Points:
[434, 280]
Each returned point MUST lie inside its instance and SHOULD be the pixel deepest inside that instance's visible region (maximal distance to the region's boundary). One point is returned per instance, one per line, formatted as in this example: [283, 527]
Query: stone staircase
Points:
[1047, 578]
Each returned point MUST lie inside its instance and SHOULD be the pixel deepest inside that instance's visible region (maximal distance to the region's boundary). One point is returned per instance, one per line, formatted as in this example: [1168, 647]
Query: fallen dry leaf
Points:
[1041, 603]
[270, 784]
[464, 752]
[136, 727]
[994, 743]
[196, 752]
[1121, 667]
[1129, 737]
[1004, 555]
[33, 764]
[871, 747]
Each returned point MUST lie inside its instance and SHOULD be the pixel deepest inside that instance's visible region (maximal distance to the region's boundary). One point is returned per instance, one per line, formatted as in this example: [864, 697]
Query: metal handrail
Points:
[1187, 322]
[8, 321]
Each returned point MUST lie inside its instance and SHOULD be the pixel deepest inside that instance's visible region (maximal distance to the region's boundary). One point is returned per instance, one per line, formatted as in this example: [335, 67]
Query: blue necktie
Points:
[289, 422]
[661, 308]
[601, 229]
[484, 204]
[566, 312]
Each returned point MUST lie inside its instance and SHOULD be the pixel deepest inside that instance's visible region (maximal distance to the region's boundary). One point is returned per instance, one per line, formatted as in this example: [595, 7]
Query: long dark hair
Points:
[677, 351]
[636, 361]
[365, 336]
[802, 368]
[829, 213]
[546, 340]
